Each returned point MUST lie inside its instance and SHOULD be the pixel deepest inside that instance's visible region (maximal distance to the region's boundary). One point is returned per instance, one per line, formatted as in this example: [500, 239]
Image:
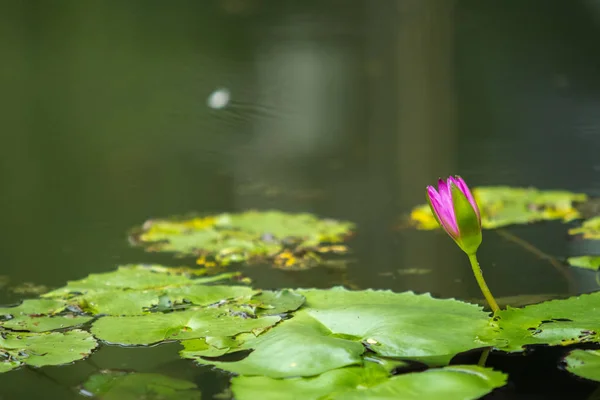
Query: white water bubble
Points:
[219, 99]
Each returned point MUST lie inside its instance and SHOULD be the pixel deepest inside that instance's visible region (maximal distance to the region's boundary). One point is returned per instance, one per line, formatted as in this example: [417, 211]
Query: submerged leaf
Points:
[119, 385]
[226, 238]
[503, 205]
[584, 363]
[587, 262]
[459, 382]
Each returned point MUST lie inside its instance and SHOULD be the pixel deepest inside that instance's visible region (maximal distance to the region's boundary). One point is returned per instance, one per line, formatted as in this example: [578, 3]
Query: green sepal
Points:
[469, 228]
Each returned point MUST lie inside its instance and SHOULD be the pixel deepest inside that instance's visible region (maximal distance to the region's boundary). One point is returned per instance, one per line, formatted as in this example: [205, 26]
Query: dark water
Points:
[346, 109]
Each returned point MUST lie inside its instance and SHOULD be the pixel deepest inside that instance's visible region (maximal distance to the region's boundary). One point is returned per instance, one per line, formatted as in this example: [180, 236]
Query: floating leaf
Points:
[300, 346]
[45, 323]
[333, 327]
[43, 349]
[587, 262]
[271, 303]
[226, 238]
[119, 385]
[34, 307]
[135, 289]
[402, 325]
[127, 277]
[590, 229]
[459, 382]
[556, 322]
[189, 324]
[584, 363]
[503, 205]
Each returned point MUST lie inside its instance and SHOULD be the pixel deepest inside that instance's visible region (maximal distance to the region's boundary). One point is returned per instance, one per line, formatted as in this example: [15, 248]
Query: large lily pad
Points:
[334, 326]
[300, 346]
[590, 229]
[402, 325]
[557, 322]
[43, 349]
[503, 205]
[459, 382]
[121, 385]
[587, 262]
[227, 238]
[189, 324]
[584, 363]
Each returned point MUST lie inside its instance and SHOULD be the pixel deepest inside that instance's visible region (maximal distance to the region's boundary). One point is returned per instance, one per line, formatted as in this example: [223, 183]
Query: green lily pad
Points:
[272, 303]
[45, 323]
[126, 277]
[556, 322]
[432, 330]
[587, 262]
[503, 205]
[44, 349]
[226, 238]
[34, 307]
[119, 385]
[590, 229]
[584, 363]
[333, 327]
[189, 324]
[40, 315]
[300, 346]
[459, 382]
[135, 289]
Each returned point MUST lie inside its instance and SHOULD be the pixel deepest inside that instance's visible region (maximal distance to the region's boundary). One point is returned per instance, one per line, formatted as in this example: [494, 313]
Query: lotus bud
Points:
[455, 209]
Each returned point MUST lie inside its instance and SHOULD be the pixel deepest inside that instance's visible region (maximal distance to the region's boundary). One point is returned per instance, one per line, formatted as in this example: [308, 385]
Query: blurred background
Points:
[114, 112]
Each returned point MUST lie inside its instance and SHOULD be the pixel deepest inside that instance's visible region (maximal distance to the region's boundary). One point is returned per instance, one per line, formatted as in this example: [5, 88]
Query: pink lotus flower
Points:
[456, 210]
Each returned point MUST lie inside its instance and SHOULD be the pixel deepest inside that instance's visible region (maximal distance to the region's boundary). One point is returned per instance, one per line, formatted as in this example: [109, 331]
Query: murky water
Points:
[113, 112]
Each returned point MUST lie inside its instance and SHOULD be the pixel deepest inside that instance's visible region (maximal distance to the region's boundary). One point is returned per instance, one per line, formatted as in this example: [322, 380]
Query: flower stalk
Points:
[456, 210]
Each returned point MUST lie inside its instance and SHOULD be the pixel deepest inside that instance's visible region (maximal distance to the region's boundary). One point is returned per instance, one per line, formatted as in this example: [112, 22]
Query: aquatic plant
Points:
[456, 210]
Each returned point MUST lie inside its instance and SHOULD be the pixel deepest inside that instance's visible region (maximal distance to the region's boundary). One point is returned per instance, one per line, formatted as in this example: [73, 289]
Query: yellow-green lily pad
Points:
[254, 235]
[587, 262]
[589, 229]
[502, 205]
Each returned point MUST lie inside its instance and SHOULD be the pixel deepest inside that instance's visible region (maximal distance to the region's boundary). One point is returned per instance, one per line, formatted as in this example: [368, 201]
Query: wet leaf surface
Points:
[587, 262]
[460, 382]
[584, 363]
[42, 349]
[120, 385]
[226, 238]
[502, 205]
[589, 229]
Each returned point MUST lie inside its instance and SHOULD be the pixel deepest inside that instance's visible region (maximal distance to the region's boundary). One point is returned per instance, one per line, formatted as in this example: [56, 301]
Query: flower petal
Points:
[449, 217]
[465, 189]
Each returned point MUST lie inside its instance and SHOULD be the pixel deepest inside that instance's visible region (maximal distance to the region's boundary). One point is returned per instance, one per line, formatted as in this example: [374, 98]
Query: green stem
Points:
[481, 282]
[483, 357]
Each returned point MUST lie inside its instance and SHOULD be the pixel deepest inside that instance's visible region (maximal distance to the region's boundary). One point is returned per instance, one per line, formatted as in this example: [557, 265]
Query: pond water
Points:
[114, 112]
